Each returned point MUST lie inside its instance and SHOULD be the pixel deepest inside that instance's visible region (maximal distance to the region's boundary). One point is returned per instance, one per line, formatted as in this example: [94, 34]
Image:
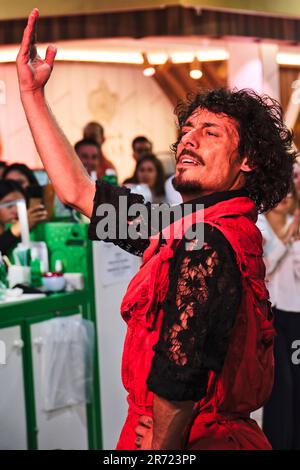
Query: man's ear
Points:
[245, 166]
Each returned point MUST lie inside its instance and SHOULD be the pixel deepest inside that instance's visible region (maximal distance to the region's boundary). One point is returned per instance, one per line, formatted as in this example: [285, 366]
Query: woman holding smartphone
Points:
[11, 191]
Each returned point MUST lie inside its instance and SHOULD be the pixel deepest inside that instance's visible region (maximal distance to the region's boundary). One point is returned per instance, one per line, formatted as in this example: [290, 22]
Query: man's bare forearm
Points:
[67, 174]
[171, 423]
[69, 178]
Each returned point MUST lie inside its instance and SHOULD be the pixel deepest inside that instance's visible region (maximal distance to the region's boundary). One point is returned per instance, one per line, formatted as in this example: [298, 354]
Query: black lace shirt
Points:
[201, 303]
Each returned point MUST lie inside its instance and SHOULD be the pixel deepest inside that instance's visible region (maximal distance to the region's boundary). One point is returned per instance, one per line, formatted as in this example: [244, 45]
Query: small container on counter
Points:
[54, 281]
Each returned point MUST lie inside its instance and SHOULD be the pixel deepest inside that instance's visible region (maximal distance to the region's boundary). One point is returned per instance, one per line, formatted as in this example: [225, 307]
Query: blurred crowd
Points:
[18, 181]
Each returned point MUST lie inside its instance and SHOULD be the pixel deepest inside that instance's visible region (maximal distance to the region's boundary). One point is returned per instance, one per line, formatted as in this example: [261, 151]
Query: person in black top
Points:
[204, 292]
[229, 140]
[11, 191]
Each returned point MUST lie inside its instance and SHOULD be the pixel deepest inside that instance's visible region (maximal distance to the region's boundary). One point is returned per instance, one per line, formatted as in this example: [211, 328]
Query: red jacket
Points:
[246, 380]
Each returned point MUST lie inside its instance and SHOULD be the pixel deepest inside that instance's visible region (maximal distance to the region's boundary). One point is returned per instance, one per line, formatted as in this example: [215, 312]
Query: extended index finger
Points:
[29, 35]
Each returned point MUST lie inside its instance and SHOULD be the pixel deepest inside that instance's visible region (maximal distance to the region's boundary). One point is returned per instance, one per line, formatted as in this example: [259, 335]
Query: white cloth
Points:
[67, 362]
[142, 189]
[282, 268]
[173, 197]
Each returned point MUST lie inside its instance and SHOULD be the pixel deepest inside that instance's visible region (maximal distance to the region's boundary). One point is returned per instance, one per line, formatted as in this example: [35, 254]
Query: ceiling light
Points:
[157, 58]
[195, 69]
[288, 58]
[149, 70]
[182, 57]
[85, 55]
[212, 54]
[9, 54]
[104, 54]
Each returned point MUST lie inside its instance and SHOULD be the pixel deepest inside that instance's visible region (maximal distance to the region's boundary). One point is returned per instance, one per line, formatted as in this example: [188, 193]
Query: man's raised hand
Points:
[33, 71]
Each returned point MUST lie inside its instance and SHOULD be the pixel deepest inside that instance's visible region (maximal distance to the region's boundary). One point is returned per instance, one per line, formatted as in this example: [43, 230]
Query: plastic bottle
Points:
[58, 267]
[3, 274]
[35, 268]
[110, 177]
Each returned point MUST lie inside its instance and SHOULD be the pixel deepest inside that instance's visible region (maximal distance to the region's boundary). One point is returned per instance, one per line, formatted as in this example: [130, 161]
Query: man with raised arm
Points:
[198, 355]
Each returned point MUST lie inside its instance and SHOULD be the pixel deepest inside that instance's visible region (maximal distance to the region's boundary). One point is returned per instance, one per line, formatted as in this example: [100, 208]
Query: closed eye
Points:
[182, 134]
[212, 133]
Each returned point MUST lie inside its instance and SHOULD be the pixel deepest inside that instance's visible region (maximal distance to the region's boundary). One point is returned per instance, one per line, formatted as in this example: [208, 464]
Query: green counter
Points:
[28, 312]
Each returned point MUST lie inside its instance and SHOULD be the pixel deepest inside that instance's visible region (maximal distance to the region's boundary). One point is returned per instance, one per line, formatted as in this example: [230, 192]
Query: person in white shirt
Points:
[281, 242]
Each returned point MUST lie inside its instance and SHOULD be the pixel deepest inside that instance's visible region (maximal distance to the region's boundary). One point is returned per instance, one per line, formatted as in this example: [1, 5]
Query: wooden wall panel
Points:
[164, 21]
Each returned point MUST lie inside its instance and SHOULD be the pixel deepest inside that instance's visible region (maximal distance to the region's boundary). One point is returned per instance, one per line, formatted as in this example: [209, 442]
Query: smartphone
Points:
[35, 196]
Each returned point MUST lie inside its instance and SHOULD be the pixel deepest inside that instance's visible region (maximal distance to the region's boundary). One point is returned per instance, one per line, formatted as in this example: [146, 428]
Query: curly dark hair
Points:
[263, 138]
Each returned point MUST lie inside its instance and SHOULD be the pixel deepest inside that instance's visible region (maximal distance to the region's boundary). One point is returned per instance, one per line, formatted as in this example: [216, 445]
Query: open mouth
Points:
[187, 160]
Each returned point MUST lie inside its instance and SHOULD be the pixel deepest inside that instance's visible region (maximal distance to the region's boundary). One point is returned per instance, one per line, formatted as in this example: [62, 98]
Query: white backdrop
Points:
[119, 96]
